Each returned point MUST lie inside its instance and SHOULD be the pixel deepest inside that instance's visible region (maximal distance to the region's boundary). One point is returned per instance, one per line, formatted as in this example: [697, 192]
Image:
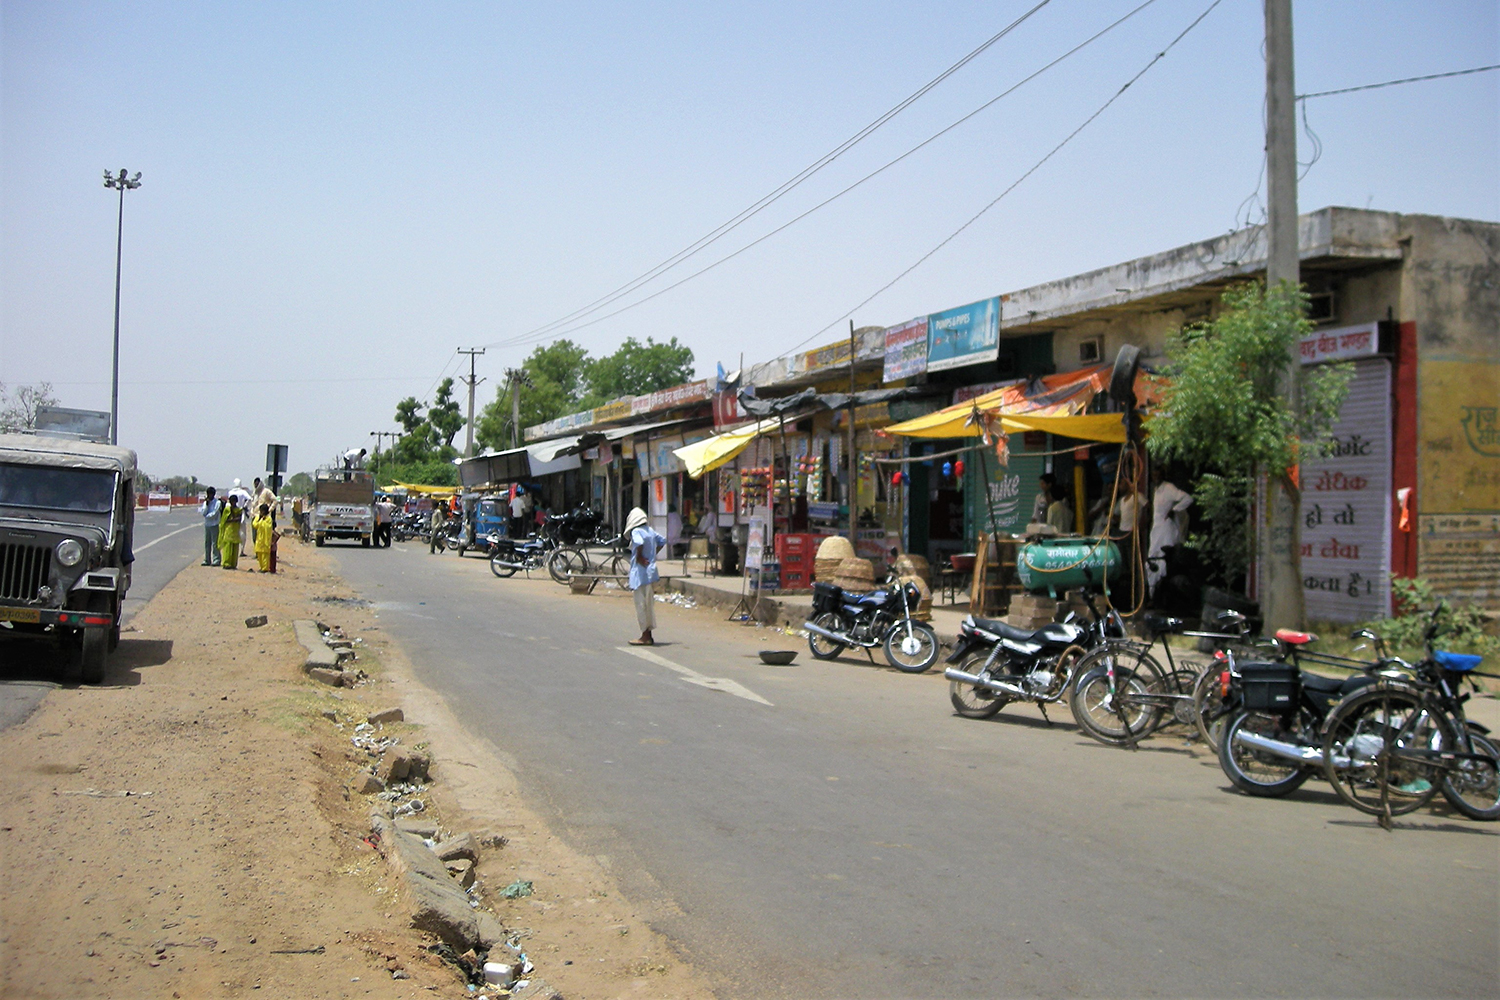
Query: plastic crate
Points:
[795, 579]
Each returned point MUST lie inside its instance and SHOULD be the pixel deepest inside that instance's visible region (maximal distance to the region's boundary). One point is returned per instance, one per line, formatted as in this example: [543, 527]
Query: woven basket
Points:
[826, 569]
[913, 565]
[856, 574]
[923, 612]
[835, 547]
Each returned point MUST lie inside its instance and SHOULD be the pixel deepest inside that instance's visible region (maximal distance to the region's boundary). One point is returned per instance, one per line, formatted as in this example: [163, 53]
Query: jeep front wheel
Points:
[93, 653]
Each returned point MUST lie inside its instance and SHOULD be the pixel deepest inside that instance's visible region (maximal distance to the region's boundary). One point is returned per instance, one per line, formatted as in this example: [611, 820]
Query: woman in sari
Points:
[262, 526]
[229, 533]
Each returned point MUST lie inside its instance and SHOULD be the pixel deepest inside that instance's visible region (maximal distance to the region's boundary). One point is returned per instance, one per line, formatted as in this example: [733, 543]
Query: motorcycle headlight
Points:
[69, 552]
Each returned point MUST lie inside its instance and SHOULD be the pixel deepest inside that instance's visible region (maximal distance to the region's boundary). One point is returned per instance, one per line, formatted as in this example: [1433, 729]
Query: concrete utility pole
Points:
[1279, 537]
[122, 183]
[517, 377]
[473, 384]
[853, 482]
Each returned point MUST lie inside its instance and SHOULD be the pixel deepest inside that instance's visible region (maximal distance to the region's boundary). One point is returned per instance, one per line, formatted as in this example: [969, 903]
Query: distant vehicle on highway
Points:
[67, 517]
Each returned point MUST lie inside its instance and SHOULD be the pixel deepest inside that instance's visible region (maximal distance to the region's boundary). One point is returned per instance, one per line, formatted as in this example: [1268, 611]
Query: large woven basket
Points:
[908, 564]
[856, 574]
[832, 551]
[923, 612]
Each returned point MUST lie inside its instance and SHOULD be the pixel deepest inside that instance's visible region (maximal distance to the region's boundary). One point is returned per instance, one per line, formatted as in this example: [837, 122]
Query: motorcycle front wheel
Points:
[970, 700]
[1473, 787]
[913, 651]
[1258, 772]
[823, 648]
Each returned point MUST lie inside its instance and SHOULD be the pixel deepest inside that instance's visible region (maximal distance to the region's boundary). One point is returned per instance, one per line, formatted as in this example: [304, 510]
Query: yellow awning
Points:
[430, 490]
[710, 453]
[954, 422]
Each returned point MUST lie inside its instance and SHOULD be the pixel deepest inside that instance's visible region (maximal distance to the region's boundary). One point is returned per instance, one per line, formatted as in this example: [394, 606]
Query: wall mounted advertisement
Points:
[964, 336]
[906, 349]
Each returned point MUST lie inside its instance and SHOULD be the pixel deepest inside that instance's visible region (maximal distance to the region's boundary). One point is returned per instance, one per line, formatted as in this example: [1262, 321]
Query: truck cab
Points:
[67, 518]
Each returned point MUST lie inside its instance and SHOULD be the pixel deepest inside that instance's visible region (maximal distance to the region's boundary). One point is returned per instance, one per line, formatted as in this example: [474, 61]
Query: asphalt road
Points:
[165, 542]
[833, 830]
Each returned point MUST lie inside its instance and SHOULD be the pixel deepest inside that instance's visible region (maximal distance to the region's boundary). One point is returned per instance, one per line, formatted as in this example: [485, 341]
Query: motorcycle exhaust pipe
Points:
[1289, 751]
[997, 687]
[825, 633]
[508, 565]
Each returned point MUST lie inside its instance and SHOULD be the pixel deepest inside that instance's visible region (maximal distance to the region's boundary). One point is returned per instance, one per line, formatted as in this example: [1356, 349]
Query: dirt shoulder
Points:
[189, 829]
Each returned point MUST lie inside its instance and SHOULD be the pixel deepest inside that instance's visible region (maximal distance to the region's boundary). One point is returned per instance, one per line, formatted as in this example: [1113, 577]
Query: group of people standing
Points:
[239, 520]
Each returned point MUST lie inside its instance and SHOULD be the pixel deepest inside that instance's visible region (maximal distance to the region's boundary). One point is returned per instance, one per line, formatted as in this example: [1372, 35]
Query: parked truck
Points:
[67, 514]
[343, 505]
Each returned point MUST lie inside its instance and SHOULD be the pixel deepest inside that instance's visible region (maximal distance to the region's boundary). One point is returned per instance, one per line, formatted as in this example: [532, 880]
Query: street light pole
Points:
[123, 183]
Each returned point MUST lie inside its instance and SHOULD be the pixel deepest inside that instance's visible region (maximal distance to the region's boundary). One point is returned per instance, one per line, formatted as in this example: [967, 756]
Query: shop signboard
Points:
[1346, 506]
[661, 461]
[1011, 490]
[1345, 343]
[964, 336]
[615, 409]
[906, 349]
[678, 395]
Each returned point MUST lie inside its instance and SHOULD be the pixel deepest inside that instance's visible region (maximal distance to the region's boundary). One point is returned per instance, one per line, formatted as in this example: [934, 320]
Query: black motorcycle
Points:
[843, 620]
[999, 663]
[583, 525]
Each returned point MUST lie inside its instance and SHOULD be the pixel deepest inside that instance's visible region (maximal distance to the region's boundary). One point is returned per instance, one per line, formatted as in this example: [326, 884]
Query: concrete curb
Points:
[318, 653]
[438, 903]
[789, 612]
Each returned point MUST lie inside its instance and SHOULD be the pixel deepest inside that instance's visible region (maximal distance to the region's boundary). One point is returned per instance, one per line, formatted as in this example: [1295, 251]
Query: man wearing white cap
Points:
[645, 543]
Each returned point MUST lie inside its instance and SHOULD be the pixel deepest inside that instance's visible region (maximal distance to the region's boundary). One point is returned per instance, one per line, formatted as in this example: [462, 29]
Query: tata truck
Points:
[343, 505]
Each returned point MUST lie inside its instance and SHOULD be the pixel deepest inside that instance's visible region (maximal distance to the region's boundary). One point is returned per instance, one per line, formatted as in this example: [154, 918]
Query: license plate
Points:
[20, 615]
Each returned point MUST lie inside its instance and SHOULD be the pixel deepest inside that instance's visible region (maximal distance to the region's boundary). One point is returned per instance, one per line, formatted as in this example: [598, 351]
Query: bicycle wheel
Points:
[1375, 751]
[911, 649]
[1259, 772]
[1209, 710]
[970, 700]
[822, 647]
[1473, 787]
[566, 563]
[619, 564]
[1114, 711]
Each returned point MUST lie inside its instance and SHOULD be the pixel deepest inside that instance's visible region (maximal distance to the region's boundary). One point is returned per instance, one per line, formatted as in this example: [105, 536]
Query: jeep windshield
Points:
[87, 490]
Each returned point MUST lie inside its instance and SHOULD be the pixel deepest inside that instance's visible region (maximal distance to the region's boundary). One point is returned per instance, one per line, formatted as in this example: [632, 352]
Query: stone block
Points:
[461, 846]
[366, 783]
[255, 621]
[436, 903]
[424, 828]
[418, 766]
[461, 869]
[394, 766]
[327, 675]
[385, 715]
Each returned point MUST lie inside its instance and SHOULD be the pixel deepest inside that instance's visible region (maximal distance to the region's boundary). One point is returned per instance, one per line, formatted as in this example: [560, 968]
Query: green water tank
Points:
[1053, 565]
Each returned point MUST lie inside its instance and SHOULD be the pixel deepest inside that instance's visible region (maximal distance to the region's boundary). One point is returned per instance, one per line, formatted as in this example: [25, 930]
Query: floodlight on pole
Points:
[122, 183]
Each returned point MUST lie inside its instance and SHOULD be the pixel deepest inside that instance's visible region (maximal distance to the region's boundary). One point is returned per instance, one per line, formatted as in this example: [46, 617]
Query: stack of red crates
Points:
[796, 553]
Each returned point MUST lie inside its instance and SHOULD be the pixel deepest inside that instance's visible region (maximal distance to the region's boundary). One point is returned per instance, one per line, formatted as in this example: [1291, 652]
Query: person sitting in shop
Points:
[1060, 512]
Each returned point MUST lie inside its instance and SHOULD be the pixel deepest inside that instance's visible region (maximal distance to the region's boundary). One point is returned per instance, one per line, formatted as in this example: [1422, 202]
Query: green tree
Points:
[556, 372]
[298, 484]
[444, 416]
[1222, 412]
[636, 369]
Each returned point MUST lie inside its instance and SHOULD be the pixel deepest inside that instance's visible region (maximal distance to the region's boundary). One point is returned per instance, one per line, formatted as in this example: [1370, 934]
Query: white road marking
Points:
[693, 677]
[163, 538]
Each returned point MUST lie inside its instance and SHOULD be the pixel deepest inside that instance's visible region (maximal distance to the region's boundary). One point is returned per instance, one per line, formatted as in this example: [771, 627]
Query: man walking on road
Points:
[209, 511]
[385, 513]
[645, 543]
[439, 520]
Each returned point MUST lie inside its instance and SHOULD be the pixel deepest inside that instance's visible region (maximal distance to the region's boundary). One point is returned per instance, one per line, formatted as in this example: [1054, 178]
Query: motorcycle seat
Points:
[1317, 682]
[1162, 623]
[1291, 638]
[1009, 631]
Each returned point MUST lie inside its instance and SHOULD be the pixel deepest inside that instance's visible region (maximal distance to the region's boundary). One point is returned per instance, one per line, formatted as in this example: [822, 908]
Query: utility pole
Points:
[473, 384]
[380, 436]
[1279, 537]
[123, 183]
[853, 483]
[517, 377]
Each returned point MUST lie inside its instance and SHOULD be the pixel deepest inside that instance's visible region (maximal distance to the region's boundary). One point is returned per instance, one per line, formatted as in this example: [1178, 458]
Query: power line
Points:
[765, 201]
[1393, 83]
[1036, 166]
[530, 338]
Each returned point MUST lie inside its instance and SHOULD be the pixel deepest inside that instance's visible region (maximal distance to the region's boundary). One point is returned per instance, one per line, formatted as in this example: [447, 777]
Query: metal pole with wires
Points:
[517, 377]
[122, 183]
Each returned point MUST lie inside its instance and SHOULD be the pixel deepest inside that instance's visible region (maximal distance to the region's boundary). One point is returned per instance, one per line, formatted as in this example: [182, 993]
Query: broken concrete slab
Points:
[394, 766]
[385, 715]
[366, 783]
[418, 766]
[537, 989]
[462, 869]
[424, 828]
[461, 846]
[318, 654]
[329, 676]
[437, 904]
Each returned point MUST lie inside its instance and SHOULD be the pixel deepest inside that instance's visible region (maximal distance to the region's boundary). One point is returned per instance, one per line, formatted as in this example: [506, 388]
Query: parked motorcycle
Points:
[508, 556]
[583, 525]
[998, 663]
[843, 620]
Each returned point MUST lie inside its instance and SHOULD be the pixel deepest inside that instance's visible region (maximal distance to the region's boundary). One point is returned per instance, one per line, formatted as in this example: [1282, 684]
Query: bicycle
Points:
[1388, 749]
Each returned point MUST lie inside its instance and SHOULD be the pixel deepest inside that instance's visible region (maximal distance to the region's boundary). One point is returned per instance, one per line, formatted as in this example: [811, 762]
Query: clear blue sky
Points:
[338, 195]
